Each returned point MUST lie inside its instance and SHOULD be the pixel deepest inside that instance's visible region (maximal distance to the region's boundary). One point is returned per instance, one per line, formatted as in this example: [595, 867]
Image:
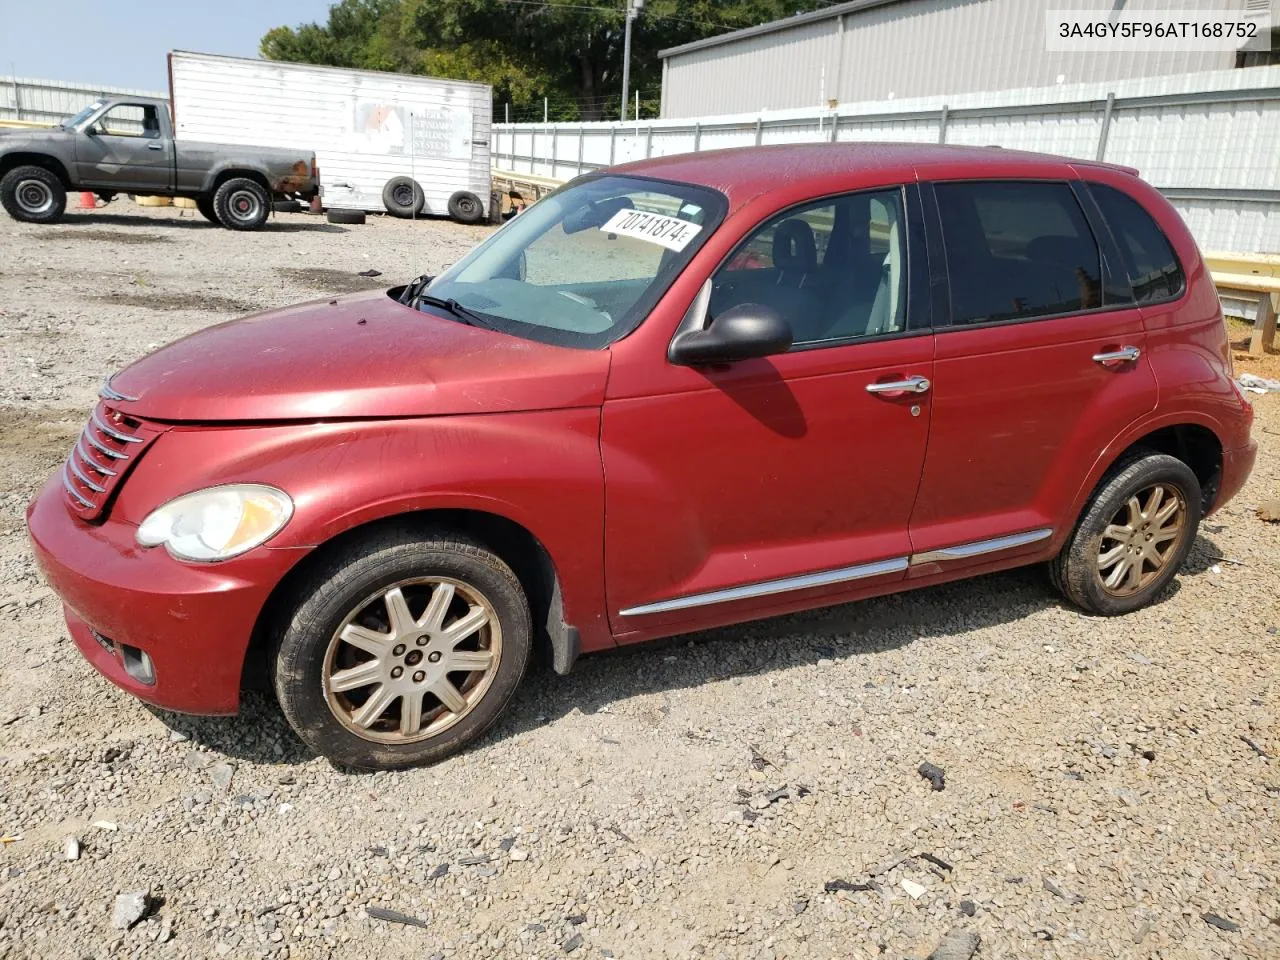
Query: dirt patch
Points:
[35, 442]
[1267, 365]
[107, 236]
[331, 281]
[179, 301]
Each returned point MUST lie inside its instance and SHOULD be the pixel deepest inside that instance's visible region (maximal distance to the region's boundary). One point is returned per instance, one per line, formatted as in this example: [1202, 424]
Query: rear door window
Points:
[1148, 255]
[1017, 250]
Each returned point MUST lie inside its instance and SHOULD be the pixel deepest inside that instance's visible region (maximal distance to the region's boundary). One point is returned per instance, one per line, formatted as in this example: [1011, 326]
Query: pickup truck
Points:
[126, 145]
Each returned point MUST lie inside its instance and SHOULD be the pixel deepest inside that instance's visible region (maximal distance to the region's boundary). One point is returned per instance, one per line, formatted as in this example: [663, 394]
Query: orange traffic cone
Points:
[88, 200]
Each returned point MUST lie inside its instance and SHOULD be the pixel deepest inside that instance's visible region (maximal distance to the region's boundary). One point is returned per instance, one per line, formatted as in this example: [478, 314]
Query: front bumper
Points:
[193, 620]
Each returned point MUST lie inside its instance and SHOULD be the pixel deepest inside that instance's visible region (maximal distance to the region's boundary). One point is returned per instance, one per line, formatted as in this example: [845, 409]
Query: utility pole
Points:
[633, 11]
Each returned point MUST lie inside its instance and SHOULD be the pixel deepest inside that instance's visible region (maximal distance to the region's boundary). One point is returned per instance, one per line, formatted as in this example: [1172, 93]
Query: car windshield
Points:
[84, 114]
[583, 266]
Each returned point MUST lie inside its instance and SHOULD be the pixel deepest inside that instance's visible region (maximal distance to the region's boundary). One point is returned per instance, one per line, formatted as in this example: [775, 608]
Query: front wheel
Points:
[241, 204]
[403, 650]
[1135, 534]
[33, 195]
[205, 206]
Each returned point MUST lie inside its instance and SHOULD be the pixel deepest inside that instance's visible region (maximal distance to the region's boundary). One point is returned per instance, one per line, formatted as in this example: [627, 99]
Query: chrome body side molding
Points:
[769, 587]
[978, 547]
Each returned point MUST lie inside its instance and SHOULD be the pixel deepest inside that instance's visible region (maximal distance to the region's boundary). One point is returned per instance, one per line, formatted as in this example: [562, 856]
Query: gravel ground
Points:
[751, 792]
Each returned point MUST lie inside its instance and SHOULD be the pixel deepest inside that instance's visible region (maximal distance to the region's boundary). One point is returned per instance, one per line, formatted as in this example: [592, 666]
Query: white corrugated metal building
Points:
[870, 50]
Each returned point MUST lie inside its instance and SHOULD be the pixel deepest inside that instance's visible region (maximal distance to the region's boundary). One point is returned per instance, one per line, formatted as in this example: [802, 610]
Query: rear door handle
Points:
[155, 146]
[914, 384]
[1123, 355]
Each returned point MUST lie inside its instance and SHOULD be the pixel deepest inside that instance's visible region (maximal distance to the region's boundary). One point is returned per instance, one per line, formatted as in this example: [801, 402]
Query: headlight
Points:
[217, 523]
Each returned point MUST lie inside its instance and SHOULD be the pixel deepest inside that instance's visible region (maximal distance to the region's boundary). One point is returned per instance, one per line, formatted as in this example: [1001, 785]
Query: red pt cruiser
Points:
[673, 395]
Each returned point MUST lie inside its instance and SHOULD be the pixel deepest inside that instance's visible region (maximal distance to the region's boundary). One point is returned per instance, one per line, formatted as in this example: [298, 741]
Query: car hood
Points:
[359, 356]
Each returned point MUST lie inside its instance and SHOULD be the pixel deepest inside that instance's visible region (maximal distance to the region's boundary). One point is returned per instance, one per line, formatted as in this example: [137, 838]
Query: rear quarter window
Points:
[1148, 255]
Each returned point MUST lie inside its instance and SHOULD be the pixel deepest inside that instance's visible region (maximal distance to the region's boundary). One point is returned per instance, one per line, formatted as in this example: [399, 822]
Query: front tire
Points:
[241, 204]
[205, 206]
[1133, 537]
[403, 650]
[33, 195]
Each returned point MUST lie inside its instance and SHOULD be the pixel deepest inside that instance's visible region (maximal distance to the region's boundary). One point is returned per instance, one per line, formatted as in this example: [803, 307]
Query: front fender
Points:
[540, 470]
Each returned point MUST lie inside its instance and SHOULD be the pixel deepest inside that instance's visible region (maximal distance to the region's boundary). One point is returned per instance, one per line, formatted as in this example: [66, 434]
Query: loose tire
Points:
[205, 206]
[33, 195]
[242, 204]
[466, 207]
[1133, 537]
[403, 650]
[353, 217]
[403, 197]
[286, 206]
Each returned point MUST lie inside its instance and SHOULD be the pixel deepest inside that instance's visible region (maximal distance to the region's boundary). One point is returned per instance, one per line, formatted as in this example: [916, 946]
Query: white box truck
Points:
[409, 145]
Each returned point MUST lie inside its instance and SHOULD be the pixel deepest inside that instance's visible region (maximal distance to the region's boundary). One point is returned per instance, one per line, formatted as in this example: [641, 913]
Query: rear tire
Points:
[376, 631]
[403, 197]
[466, 207]
[1133, 537]
[33, 194]
[242, 204]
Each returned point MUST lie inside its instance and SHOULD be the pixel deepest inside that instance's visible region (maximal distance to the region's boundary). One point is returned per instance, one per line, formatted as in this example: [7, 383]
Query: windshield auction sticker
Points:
[670, 232]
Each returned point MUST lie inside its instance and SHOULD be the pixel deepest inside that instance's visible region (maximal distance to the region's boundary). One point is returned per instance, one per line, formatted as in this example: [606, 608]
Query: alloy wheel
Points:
[1138, 542]
[412, 660]
[244, 205]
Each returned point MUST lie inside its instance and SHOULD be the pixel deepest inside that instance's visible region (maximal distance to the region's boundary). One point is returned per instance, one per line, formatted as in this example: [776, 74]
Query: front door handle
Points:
[1123, 355]
[155, 146]
[914, 384]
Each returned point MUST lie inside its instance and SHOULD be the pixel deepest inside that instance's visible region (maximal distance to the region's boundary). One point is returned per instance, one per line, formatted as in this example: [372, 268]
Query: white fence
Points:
[1209, 141]
[48, 101]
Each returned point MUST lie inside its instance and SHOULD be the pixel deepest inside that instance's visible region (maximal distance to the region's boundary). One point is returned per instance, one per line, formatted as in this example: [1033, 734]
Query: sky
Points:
[122, 43]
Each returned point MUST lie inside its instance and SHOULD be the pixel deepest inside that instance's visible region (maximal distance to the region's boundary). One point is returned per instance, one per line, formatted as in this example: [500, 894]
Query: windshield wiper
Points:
[469, 317]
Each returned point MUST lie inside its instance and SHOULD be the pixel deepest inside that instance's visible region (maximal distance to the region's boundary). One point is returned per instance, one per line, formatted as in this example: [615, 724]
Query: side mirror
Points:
[744, 332]
[93, 130]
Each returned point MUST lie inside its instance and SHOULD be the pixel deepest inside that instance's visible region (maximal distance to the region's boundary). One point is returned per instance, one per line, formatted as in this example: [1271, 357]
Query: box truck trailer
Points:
[409, 145]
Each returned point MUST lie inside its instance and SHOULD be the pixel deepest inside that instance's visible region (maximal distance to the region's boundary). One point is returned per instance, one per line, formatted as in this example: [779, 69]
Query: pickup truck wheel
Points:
[403, 197]
[242, 204]
[205, 206]
[403, 650]
[1135, 534]
[466, 207]
[33, 195]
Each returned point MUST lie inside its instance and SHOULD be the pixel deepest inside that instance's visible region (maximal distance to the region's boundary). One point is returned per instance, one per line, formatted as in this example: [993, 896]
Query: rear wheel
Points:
[402, 651]
[466, 207]
[242, 204]
[33, 195]
[1134, 535]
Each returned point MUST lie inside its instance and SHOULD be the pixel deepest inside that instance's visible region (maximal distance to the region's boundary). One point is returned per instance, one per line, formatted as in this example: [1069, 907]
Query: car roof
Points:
[743, 173]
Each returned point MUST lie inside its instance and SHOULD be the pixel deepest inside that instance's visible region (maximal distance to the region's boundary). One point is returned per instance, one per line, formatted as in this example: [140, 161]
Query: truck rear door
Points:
[125, 148]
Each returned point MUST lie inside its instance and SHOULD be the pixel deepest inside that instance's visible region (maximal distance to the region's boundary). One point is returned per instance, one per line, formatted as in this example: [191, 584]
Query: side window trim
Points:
[919, 313]
[944, 316]
[1087, 188]
[1117, 285]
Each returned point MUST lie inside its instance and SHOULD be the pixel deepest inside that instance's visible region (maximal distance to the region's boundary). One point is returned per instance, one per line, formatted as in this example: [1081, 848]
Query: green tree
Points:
[568, 51]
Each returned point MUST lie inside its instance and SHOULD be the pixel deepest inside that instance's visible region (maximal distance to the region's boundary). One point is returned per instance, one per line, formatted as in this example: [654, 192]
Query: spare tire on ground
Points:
[403, 197]
[345, 216]
[466, 207]
[286, 206]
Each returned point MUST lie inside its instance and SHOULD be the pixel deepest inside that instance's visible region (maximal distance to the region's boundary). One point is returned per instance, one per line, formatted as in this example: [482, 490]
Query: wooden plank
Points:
[1264, 327]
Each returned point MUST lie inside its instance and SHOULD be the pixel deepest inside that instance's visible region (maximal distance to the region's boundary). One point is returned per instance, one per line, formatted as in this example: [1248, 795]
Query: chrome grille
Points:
[108, 446]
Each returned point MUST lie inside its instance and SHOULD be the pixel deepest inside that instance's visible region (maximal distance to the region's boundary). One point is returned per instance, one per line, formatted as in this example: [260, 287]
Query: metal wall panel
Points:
[48, 101]
[1212, 140]
[909, 49]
